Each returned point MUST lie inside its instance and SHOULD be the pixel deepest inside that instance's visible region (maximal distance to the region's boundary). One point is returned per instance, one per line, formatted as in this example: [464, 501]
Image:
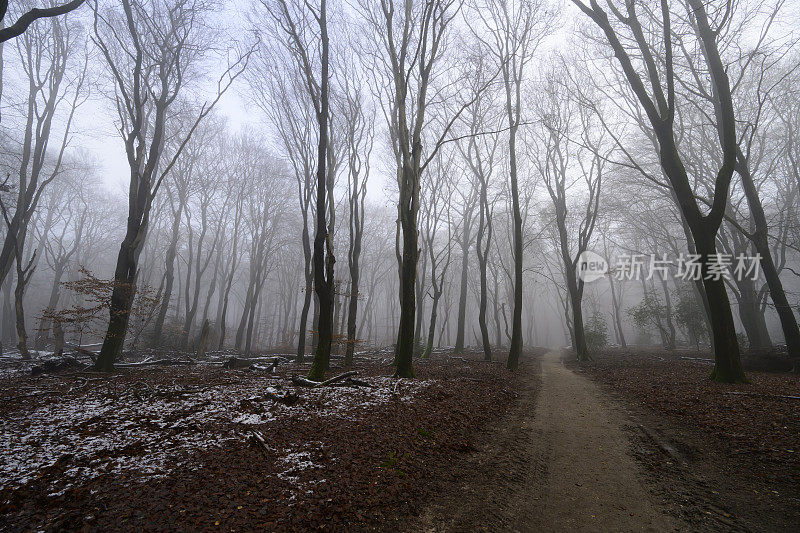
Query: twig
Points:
[259, 440]
[340, 377]
[359, 383]
[762, 395]
[158, 362]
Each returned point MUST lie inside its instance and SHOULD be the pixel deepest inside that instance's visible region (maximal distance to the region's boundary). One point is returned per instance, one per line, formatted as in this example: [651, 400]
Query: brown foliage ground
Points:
[171, 448]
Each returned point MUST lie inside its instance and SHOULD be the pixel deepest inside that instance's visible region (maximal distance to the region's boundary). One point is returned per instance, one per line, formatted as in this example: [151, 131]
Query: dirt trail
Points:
[592, 482]
[559, 462]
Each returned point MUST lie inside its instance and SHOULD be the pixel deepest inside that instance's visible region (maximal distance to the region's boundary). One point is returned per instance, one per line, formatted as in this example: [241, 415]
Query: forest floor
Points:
[175, 447]
[721, 457]
[635, 441]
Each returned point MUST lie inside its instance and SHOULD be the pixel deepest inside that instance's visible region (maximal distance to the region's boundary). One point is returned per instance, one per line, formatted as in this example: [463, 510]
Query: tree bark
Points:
[169, 270]
[323, 264]
[791, 331]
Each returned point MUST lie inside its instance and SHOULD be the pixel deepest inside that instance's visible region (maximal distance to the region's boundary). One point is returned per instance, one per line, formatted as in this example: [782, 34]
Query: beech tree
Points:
[55, 73]
[149, 51]
[512, 30]
[750, 90]
[481, 148]
[659, 106]
[310, 49]
[49, 55]
[573, 159]
[410, 37]
[281, 94]
[359, 136]
[436, 216]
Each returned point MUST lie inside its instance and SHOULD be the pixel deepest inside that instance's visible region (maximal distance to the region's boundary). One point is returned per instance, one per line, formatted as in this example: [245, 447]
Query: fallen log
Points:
[287, 399]
[340, 377]
[701, 359]
[240, 362]
[157, 362]
[305, 382]
[57, 365]
[269, 369]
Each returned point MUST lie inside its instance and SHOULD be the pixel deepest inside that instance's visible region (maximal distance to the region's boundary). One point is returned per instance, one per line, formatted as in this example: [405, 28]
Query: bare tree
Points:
[659, 106]
[410, 43]
[513, 30]
[573, 159]
[480, 149]
[310, 49]
[29, 17]
[359, 135]
[47, 53]
[435, 214]
[149, 51]
[752, 85]
[281, 94]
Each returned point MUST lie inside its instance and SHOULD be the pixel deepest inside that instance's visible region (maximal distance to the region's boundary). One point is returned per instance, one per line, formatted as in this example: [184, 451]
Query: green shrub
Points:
[596, 332]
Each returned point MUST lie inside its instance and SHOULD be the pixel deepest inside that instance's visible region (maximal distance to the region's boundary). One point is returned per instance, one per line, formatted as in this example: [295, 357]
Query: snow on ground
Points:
[145, 430]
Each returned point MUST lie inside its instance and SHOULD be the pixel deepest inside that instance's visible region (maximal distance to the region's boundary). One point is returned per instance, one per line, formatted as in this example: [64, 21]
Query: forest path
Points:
[559, 461]
[592, 482]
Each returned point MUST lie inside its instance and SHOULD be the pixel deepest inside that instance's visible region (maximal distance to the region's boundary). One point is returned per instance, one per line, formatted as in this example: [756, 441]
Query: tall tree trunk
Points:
[462, 294]
[515, 350]
[668, 306]
[169, 272]
[405, 335]
[302, 333]
[576, 306]
[791, 331]
[248, 303]
[122, 295]
[437, 294]
[212, 287]
[23, 277]
[617, 305]
[323, 265]
[337, 311]
[496, 309]
[9, 322]
[750, 315]
[484, 227]
[52, 303]
[354, 259]
[420, 303]
[727, 367]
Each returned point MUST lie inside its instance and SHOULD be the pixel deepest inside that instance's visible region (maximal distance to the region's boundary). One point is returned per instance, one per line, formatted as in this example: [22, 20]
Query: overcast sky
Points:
[95, 131]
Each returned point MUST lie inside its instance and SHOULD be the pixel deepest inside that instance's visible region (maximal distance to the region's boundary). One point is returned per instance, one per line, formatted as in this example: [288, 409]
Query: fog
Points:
[399, 265]
[472, 157]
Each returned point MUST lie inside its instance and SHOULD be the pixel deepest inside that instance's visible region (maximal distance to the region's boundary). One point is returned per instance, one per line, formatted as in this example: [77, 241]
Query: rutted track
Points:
[559, 461]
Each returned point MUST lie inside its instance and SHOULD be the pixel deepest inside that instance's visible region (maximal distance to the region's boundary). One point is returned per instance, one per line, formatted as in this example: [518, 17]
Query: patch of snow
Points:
[253, 419]
[151, 431]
